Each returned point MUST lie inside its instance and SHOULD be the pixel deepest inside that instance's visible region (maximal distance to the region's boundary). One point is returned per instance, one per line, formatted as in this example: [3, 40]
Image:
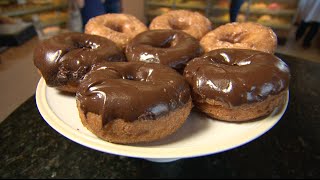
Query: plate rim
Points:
[143, 152]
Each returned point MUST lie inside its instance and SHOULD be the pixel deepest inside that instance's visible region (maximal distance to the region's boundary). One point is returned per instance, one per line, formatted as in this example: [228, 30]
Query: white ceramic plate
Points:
[199, 136]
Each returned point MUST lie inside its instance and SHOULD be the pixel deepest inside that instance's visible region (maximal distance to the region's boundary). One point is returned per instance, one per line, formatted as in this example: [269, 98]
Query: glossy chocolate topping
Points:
[237, 76]
[67, 57]
[132, 90]
[169, 47]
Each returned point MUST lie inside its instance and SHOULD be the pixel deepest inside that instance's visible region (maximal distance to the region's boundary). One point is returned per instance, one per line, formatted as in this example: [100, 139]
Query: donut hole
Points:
[233, 38]
[228, 60]
[80, 45]
[228, 39]
[178, 25]
[84, 45]
[115, 27]
[117, 74]
[225, 61]
[129, 77]
[167, 43]
[133, 77]
[142, 74]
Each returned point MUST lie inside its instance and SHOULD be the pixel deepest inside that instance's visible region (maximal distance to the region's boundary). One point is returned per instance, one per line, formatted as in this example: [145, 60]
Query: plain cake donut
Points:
[120, 28]
[190, 22]
[237, 84]
[131, 102]
[64, 59]
[169, 47]
[246, 35]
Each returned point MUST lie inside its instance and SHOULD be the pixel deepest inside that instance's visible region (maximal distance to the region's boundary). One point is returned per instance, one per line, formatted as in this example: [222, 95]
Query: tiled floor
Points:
[294, 48]
[19, 77]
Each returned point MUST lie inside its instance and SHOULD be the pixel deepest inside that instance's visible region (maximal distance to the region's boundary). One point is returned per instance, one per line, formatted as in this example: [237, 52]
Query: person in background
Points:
[309, 20]
[113, 6]
[234, 9]
[92, 8]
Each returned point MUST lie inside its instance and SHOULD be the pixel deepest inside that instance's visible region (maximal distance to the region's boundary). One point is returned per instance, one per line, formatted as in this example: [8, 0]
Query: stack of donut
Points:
[135, 83]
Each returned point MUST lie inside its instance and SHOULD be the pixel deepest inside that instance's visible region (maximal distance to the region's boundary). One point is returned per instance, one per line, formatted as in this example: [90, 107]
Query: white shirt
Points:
[309, 10]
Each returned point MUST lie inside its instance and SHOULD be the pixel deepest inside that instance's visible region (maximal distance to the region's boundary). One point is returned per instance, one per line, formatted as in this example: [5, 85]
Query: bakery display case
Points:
[277, 14]
[154, 8]
[40, 17]
[48, 12]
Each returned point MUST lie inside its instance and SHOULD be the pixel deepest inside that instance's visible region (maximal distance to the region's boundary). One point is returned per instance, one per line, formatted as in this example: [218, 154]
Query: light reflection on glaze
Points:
[243, 63]
[225, 57]
[97, 89]
[149, 74]
[266, 89]
[93, 45]
[199, 83]
[53, 57]
[132, 90]
[236, 76]
[149, 58]
[159, 109]
[283, 66]
[66, 58]
[169, 47]
[217, 88]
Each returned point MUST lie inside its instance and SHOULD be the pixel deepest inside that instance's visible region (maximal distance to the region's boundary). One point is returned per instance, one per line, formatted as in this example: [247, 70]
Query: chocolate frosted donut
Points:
[64, 59]
[169, 47]
[246, 35]
[193, 23]
[236, 84]
[133, 102]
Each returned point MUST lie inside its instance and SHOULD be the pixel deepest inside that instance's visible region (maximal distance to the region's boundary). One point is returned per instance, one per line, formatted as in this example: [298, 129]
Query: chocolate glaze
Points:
[66, 58]
[132, 90]
[169, 47]
[237, 76]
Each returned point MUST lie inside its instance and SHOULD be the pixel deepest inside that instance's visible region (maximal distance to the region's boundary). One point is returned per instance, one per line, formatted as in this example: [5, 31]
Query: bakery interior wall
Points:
[277, 14]
[134, 7]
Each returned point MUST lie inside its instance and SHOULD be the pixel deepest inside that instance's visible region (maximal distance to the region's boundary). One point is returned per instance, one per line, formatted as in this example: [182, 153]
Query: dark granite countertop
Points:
[30, 148]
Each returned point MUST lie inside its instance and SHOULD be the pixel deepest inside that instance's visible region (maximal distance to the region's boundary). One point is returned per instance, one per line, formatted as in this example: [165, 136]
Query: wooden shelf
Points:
[153, 13]
[186, 6]
[56, 22]
[286, 13]
[283, 12]
[278, 26]
[218, 21]
[219, 8]
[179, 6]
[36, 9]
[159, 4]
